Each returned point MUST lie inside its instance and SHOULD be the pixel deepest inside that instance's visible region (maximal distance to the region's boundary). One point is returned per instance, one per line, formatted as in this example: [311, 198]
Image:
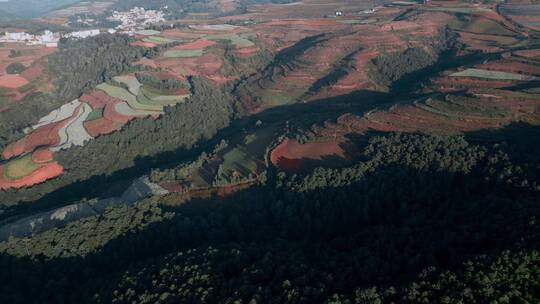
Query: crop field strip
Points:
[21, 167]
[489, 74]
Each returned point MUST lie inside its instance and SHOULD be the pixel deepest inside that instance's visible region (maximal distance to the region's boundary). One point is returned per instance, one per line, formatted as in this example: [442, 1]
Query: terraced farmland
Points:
[21, 167]
[240, 40]
[488, 74]
[183, 53]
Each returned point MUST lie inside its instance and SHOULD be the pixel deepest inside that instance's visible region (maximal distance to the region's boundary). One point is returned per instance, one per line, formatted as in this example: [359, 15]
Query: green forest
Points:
[268, 181]
[418, 219]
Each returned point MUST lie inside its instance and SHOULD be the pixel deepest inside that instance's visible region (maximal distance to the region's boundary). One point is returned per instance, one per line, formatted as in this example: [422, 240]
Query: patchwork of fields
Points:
[99, 112]
[322, 58]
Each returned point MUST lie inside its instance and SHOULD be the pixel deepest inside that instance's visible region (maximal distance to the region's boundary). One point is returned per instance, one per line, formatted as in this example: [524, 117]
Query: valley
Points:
[280, 111]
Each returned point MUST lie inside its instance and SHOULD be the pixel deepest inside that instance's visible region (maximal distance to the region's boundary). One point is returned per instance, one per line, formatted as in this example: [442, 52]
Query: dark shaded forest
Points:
[418, 219]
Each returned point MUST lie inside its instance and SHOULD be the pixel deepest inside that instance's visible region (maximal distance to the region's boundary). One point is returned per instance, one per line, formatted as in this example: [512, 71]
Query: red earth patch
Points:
[289, 154]
[12, 81]
[42, 156]
[101, 126]
[39, 176]
[144, 44]
[199, 44]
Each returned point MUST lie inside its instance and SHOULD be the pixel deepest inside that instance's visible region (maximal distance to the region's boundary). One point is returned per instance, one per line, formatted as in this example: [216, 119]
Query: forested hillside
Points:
[272, 151]
[440, 202]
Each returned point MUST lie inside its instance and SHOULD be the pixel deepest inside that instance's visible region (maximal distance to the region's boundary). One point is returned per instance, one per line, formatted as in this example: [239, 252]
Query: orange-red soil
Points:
[12, 81]
[290, 153]
[50, 170]
[199, 44]
[144, 44]
[42, 156]
[43, 136]
[101, 126]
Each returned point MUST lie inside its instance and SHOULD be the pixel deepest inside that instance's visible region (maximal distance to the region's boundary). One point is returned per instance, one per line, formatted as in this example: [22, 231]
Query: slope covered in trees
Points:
[412, 228]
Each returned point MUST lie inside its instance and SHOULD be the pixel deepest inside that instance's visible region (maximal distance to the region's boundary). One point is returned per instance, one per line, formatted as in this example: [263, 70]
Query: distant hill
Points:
[5, 16]
[30, 8]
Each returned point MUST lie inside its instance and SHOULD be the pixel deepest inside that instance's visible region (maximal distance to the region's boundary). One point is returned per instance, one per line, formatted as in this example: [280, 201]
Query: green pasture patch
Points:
[126, 96]
[487, 74]
[183, 53]
[152, 96]
[287, 97]
[234, 38]
[482, 26]
[158, 40]
[21, 167]
[131, 82]
[236, 160]
[460, 10]
[95, 114]
[116, 92]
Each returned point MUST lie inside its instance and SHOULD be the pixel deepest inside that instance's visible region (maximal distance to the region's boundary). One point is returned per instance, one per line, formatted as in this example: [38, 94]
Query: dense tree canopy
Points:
[425, 225]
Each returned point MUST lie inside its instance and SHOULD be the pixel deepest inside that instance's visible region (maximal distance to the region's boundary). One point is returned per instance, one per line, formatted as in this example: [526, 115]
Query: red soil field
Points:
[246, 51]
[450, 84]
[164, 75]
[148, 62]
[39, 176]
[42, 156]
[199, 44]
[101, 126]
[206, 65]
[110, 113]
[528, 53]
[144, 44]
[173, 187]
[41, 137]
[96, 99]
[33, 72]
[289, 154]
[12, 81]
[511, 67]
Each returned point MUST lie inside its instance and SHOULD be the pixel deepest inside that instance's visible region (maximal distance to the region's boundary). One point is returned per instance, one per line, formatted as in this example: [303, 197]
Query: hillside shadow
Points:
[519, 140]
[101, 186]
[301, 115]
[411, 219]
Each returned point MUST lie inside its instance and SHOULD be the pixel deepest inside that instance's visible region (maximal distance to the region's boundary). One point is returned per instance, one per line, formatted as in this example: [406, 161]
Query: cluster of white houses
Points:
[130, 22]
[136, 19]
[48, 38]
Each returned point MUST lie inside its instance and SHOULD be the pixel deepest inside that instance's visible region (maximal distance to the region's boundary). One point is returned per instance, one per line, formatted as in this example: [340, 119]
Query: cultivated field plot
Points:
[97, 113]
[241, 40]
[157, 40]
[22, 72]
[183, 53]
[525, 15]
[324, 57]
[29, 170]
[293, 156]
[482, 25]
[496, 75]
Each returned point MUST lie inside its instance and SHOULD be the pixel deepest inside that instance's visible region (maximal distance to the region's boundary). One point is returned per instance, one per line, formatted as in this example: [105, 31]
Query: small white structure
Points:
[83, 34]
[339, 13]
